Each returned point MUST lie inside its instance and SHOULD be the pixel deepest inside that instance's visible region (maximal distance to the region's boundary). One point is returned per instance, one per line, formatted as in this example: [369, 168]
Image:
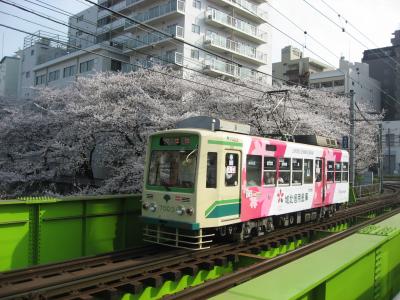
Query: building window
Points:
[79, 18]
[196, 28]
[32, 52]
[54, 75]
[86, 66]
[315, 85]
[326, 84]
[197, 4]
[116, 65]
[27, 74]
[69, 71]
[338, 82]
[78, 33]
[40, 79]
[194, 53]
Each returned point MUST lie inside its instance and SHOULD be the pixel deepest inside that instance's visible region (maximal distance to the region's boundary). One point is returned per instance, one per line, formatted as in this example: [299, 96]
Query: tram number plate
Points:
[230, 169]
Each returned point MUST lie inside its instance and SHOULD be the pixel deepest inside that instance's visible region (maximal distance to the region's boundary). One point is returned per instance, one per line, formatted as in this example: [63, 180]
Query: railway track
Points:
[130, 271]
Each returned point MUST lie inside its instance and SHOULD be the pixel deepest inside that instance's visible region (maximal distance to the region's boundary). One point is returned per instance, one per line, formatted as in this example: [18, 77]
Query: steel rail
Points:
[133, 275]
[216, 286]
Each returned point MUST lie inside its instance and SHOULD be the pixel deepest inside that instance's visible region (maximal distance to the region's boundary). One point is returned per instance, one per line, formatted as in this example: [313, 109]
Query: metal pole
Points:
[388, 142]
[352, 138]
[380, 158]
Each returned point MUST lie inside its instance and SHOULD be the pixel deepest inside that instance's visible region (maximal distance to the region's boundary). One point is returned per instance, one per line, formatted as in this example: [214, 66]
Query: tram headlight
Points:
[153, 207]
[180, 210]
[145, 206]
[189, 211]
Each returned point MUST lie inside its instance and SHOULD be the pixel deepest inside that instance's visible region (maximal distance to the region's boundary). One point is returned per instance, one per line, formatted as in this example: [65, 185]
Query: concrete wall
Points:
[9, 70]
[391, 147]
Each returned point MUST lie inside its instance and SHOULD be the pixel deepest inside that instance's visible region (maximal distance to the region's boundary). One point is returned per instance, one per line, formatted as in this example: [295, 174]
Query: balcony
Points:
[249, 10]
[174, 58]
[164, 11]
[117, 7]
[242, 29]
[221, 44]
[112, 26]
[152, 39]
[217, 67]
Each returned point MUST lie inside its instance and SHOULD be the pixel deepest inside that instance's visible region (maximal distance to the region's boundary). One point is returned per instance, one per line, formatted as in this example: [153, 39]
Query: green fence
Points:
[44, 230]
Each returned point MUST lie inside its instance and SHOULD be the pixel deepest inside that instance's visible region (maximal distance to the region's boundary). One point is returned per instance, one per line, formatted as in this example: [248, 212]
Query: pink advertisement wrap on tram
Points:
[262, 201]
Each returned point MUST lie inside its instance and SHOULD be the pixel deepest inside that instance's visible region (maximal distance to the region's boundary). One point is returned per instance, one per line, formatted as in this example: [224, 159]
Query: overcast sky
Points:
[377, 19]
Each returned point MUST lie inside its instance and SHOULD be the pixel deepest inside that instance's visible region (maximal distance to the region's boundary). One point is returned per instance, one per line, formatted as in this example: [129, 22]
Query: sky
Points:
[376, 19]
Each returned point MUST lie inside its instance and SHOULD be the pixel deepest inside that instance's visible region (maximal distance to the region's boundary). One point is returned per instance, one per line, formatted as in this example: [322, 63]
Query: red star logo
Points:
[280, 196]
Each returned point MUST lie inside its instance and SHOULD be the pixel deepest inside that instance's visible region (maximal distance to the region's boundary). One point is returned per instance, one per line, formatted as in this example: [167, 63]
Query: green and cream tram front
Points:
[169, 196]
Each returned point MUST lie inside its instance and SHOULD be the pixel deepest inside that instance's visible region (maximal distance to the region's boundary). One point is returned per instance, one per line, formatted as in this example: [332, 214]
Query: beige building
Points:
[295, 68]
[350, 76]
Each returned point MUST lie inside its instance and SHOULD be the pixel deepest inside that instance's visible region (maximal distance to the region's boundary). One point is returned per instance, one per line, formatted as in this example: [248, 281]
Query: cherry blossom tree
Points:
[90, 137]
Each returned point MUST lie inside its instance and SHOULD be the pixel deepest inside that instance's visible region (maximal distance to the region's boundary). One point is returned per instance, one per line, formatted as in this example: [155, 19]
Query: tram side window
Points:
[338, 171]
[308, 171]
[330, 174]
[345, 169]
[318, 170]
[269, 170]
[231, 169]
[253, 169]
[211, 181]
[297, 171]
[284, 171]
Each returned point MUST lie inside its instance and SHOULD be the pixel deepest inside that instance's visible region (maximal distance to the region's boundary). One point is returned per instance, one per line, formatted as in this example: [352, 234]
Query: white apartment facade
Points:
[227, 29]
[213, 31]
[351, 76]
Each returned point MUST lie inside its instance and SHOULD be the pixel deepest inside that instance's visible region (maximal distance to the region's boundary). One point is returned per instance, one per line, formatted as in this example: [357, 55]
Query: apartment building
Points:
[232, 29]
[36, 50]
[213, 31]
[350, 76]
[296, 69]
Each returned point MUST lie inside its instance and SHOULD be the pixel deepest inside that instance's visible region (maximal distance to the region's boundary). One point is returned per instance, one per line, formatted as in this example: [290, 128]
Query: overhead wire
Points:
[213, 77]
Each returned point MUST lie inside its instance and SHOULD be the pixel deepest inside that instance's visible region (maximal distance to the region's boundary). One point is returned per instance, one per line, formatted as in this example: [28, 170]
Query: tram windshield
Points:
[172, 168]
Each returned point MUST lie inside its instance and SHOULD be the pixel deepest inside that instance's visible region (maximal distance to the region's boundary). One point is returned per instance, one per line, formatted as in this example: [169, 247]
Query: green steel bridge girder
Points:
[39, 230]
[365, 265]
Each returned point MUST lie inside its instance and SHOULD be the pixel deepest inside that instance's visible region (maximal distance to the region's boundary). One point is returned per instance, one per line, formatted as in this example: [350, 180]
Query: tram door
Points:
[232, 178]
[320, 178]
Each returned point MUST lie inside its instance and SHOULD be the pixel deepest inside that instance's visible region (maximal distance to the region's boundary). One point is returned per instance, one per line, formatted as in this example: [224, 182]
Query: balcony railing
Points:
[153, 38]
[236, 47]
[117, 7]
[235, 23]
[222, 67]
[166, 59]
[111, 26]
[246, 5]
[157, 11]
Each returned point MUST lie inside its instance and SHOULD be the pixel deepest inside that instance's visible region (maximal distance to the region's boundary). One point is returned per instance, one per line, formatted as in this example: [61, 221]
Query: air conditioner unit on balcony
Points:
[207, 67]
[209, 16]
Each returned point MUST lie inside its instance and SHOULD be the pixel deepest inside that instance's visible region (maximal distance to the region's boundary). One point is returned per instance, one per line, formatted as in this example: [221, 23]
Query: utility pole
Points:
[352, 138]
[380, 158]
[388, 142]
